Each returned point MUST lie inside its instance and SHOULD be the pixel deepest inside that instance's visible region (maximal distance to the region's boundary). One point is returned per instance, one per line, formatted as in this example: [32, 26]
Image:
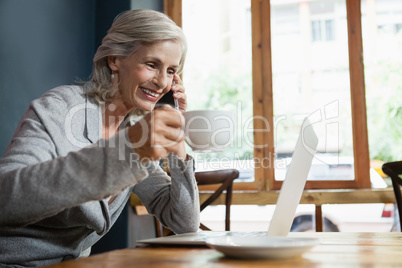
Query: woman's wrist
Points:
[182, 153]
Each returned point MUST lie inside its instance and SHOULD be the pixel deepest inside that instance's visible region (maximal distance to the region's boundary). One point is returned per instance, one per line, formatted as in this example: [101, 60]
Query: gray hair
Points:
[129, 31]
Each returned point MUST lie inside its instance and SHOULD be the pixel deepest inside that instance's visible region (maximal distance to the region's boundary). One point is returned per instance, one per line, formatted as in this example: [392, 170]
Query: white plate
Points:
[263, 247]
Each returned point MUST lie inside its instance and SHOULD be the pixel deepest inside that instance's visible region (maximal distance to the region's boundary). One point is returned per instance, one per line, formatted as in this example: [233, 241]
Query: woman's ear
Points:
[112, 61]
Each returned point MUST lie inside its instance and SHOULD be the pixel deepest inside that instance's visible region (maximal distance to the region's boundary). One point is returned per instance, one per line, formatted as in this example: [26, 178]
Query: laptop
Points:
[286, 205]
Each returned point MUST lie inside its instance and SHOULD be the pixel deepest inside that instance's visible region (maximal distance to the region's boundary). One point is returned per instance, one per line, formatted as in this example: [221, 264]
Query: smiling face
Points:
[146, 75]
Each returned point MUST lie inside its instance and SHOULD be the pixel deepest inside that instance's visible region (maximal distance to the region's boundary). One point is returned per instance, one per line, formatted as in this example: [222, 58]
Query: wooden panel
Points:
[315, 197]
[325, 184]
[173, 8]
[358, 96]
[257, 82]
[268, 102]
[262, 91]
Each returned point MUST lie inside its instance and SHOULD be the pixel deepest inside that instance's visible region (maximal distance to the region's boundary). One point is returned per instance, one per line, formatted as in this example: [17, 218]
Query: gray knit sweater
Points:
[57, 174]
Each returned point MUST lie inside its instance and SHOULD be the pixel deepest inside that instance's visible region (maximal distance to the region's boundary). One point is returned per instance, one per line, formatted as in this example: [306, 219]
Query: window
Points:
[323, 30]
[381, 21]
[316, 30]
[218, 75]
[311, 79]
[290, 77]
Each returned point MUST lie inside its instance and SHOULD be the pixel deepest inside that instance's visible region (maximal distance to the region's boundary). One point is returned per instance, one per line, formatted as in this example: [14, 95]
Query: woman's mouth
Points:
[151, 95]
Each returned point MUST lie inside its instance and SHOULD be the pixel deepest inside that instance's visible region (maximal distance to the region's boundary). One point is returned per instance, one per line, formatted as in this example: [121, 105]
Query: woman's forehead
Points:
[162, 51]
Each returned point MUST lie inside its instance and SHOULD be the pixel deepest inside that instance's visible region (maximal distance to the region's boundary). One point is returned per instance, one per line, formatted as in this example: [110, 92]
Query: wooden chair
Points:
[225, 178]
[394, 170]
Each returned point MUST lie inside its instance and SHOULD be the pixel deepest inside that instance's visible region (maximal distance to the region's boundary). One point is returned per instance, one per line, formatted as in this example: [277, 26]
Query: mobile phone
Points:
[167, 98]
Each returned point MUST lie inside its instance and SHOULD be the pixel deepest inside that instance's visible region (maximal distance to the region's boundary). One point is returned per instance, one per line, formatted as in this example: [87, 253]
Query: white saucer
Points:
[263, 247]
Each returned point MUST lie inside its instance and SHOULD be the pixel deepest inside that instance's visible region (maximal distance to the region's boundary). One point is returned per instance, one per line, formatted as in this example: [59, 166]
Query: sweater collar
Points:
[93, 120]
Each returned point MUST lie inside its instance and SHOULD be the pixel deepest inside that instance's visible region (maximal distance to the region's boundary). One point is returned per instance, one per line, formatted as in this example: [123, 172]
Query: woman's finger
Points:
[177, 79]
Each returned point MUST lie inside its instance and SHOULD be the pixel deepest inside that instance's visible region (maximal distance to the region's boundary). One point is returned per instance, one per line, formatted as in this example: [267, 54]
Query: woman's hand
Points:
[158, 134]
[179, 93]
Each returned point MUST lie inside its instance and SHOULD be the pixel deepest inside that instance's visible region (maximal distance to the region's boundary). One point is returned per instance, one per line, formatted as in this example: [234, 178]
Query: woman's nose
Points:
[161, 80]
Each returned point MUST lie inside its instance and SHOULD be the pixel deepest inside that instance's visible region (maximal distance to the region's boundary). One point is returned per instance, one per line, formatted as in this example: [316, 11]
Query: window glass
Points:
[316, 30]
[311, 79]
[218, 74]
[382, 39]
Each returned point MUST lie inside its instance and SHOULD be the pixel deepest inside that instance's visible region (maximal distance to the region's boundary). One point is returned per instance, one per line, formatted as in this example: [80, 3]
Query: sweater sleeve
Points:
[173, 200]
[37, 182]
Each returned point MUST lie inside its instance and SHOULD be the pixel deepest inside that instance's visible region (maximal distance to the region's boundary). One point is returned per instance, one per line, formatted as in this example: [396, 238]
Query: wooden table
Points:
[334, 250]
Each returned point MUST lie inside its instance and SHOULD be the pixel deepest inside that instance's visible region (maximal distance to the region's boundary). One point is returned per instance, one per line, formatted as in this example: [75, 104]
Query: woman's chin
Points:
[146, 107]
[144, 103]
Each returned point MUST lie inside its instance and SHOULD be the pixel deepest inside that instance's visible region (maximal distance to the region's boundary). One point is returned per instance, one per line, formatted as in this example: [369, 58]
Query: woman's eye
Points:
[171, 72]
[151, 65]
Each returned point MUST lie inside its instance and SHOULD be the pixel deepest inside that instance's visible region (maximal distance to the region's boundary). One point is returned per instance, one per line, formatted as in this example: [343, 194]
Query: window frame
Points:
[263, 97]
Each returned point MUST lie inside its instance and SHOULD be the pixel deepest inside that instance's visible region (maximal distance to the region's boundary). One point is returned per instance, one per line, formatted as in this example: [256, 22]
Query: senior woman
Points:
[79, 151]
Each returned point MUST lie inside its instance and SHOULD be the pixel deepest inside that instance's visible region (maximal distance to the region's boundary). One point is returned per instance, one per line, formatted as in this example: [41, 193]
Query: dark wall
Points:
[148, 4]
[106, 11]
[44, 43]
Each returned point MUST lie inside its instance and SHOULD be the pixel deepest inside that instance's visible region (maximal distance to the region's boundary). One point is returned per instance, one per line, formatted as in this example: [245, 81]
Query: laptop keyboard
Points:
[206, 235]
[247, 234]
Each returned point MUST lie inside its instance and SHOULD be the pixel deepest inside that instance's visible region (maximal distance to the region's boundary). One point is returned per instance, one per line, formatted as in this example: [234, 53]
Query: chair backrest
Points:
[394, 170]
[225, 177]
[216, 176]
